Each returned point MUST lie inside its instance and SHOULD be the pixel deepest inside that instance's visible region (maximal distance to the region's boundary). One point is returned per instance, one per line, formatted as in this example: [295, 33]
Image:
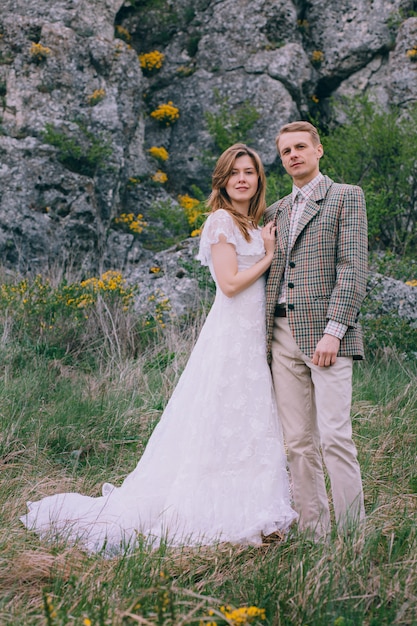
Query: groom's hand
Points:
[326, 351]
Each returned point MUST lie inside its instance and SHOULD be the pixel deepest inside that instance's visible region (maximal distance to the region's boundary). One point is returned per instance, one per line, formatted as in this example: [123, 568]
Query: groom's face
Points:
[300, 156]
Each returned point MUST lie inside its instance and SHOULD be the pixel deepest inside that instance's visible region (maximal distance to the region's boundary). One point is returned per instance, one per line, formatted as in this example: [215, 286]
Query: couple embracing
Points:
[215, 467]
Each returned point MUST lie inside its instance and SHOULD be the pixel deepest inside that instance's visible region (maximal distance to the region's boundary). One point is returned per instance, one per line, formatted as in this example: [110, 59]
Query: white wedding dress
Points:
[214, 469]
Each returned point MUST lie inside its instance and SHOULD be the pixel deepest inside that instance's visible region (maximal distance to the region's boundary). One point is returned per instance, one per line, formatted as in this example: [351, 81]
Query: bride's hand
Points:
[268, 236]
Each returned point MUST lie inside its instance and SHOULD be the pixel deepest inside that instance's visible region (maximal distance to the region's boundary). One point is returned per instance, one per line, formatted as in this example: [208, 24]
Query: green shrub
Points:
[382, 331]
[377, 150]
[169, 226]
[157, 22]
[389, 332]
[67, 320]
[278, 184]
[192, 45]
[389, 264]
[84, 152]
[230, 124]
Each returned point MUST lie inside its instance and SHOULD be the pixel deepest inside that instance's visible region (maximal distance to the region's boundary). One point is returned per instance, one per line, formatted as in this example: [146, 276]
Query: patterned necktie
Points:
[295, 216]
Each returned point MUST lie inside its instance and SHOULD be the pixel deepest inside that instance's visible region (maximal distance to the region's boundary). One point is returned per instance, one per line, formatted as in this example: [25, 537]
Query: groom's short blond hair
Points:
[301, 126]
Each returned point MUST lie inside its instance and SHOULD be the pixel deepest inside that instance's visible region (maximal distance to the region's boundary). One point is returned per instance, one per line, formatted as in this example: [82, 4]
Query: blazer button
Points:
[291, 285]
[291, 264]
[291, 307]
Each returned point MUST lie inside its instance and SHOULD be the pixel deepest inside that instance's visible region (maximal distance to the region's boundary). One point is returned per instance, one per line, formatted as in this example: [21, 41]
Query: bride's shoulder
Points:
[220, 221]
[220, 216]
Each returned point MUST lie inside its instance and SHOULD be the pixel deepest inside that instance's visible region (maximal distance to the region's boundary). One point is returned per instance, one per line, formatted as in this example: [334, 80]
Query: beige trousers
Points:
[314, 406]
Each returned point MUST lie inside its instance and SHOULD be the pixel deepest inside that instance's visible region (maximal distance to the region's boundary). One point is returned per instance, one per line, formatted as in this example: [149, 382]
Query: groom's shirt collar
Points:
[306, 190]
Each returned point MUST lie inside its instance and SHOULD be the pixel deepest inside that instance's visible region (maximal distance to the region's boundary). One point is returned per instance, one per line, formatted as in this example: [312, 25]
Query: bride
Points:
[214, 469]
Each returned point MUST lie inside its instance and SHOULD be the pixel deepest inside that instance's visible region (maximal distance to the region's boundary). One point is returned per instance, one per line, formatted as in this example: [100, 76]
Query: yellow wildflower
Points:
[160, 177]
[39, 52]
[244, 615]
[123, 33]
[166, 113]
[194, 210]
[134, 223]
[161, 154]
[317, 57]
[187, 202]
[151, 61]
[412, 54]
[303, 25]
[96, 97]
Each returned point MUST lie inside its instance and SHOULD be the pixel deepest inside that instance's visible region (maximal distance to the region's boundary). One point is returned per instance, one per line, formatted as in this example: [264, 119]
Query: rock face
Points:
[393, 297]
[55, 209]
[75, 105]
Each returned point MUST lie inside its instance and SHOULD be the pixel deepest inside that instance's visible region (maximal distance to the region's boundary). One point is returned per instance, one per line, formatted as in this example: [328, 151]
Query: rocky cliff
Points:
[78, 102]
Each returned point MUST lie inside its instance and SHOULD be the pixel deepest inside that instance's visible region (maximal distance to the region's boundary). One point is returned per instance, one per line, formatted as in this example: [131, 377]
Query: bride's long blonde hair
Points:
[219, 198]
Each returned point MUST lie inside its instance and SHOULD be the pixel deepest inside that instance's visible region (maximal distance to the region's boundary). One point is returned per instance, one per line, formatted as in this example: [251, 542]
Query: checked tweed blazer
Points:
[328, 266]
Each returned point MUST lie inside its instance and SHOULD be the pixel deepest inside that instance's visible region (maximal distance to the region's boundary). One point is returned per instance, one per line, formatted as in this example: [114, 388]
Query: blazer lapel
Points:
[313, 205]
[283, 223]
[309, 212]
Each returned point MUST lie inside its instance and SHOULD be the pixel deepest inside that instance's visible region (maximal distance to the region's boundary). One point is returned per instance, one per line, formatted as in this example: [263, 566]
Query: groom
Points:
[315, 288]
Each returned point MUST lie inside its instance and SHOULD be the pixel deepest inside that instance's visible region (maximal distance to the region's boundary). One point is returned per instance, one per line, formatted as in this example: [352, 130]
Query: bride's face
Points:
[243, 182]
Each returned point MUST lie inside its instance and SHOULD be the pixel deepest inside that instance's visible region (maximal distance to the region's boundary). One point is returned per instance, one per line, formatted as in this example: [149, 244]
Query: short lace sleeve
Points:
[218, 223]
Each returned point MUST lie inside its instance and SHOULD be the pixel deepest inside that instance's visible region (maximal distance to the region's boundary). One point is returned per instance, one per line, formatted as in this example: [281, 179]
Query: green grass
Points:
[65, 427]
